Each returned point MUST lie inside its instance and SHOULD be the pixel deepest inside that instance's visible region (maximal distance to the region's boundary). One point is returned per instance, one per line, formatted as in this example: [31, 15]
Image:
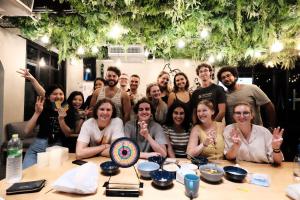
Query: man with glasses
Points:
[245, 93]
[208, 91]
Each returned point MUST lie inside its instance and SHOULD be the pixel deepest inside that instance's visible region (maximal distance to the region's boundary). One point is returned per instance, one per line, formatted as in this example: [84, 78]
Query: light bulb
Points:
[80, 51]
[276, 47]
[180, 43]
[95, 49]
[45, 39]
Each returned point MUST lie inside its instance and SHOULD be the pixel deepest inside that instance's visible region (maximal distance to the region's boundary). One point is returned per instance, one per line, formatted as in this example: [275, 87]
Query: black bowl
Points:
[109, 168]
[162, 178]
[199, 160]
[236, 174]
[157, 159]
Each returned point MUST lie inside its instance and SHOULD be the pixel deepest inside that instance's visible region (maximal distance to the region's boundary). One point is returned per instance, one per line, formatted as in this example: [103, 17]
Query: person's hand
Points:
[143, 129]
[277, 138]
[235, 136]
[25, 73]
[61, 113]
[39, 104]
[211, 138]
[150, 154]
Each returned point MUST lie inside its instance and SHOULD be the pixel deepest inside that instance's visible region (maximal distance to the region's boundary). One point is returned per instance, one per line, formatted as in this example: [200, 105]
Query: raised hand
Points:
[39, 104]
[211, 138]
[143, 129]
[277, 138]
[61, 112]
[235, 136]
[25, 73]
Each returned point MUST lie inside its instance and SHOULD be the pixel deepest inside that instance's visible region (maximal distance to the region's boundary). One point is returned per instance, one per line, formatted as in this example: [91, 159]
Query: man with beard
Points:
[245, 93]
[115, 94]
[208, 91]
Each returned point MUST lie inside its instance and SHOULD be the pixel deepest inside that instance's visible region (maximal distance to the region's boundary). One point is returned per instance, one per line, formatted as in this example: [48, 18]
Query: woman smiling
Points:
[250, 142]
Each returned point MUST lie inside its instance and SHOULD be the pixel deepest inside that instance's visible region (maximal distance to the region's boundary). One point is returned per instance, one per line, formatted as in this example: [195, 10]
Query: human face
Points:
[204, 113]
[144, 112]
[104, 112]
[123, 80]
[204, 74]
[111, 78]
[180, 81]
[164, 80]
[134, 83]
[178, 115]
[155, 92]
[228, 79]
[98, 84]
[57, 95]
[77, 102]
[242, 114]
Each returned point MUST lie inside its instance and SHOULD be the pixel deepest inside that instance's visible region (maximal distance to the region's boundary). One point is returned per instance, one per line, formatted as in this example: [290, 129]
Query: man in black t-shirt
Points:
[208, 91]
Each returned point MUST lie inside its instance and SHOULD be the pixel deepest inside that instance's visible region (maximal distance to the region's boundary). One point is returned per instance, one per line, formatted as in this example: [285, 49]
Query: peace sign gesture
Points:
[277, 138]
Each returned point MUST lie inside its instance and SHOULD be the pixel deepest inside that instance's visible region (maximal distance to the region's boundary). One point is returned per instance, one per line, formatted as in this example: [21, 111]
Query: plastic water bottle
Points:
[14, 159]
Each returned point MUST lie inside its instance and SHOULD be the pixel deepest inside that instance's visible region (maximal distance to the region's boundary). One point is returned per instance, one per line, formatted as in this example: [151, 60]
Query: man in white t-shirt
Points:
[98, 132]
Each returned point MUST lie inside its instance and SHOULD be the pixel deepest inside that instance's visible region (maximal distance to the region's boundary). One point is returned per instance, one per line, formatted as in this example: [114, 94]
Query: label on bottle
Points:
[13, 152]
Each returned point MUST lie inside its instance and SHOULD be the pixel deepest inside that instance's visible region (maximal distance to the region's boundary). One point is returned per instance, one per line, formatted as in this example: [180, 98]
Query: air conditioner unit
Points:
[131, 53]
[16, 7]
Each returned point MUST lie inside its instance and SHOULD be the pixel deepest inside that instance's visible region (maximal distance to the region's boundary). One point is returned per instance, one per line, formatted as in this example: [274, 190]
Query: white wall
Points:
[12, 56]
[74, 76]
[149, 70]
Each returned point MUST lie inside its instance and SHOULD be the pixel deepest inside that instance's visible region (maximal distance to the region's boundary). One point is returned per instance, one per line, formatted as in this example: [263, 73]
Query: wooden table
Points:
[281, 177]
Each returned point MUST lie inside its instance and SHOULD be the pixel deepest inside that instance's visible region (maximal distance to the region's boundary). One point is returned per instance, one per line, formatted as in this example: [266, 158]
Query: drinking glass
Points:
[296, 168]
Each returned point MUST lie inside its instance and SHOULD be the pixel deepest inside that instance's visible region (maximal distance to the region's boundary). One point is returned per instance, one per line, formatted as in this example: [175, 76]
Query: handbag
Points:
[26, 187]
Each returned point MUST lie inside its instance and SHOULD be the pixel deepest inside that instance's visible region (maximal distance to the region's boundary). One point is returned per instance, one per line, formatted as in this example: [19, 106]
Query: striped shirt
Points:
[179, 141]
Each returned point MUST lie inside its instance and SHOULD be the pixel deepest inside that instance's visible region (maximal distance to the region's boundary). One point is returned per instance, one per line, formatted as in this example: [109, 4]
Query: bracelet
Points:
[276, 150]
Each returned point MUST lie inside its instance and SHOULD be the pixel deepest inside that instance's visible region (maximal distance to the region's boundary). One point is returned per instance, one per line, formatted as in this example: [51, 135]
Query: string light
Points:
[257, 54]
[80, 51]
[276, 47]
[220, 57]
[270, 64]
[180, 43]
[211, 59]
[116, 31]
[45, 39]
[204, 33]
[95, 49]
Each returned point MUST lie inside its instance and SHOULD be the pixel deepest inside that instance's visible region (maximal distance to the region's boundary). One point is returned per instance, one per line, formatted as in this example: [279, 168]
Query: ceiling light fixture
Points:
[42, 62]
[204, 33]
[211, 59]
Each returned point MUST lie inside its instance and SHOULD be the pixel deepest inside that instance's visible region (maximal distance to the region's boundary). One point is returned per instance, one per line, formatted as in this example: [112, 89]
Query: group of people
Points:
[165, 122]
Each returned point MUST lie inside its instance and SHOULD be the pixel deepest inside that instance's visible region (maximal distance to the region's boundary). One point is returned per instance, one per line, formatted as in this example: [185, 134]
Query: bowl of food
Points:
[157, 159]
[199, 160]
[109, 168]
[144, 168]
[172, 168]
[162, 178]
[211, 172]
[235, 174]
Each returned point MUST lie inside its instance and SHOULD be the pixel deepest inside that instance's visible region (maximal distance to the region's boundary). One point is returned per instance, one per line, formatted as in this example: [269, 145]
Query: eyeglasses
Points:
[246, 113]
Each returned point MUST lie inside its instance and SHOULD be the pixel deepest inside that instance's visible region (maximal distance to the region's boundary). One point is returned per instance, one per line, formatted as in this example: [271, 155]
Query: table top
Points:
[280, 178]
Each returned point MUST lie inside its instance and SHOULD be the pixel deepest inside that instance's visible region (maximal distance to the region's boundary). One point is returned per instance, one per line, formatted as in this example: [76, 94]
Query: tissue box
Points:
[181, 173]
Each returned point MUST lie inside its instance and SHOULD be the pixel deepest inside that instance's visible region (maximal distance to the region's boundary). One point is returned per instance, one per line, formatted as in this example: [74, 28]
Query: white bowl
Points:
[144, 168]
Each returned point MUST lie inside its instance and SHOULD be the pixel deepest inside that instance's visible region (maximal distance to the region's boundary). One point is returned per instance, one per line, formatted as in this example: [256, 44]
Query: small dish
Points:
[199, 160]
[109, 168]
[144, 168]
[162, 178]
[157, 159]
[211, 172]
[235, 174]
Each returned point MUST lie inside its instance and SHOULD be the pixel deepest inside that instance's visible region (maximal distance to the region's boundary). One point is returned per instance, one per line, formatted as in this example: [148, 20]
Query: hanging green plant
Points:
[238, 30]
